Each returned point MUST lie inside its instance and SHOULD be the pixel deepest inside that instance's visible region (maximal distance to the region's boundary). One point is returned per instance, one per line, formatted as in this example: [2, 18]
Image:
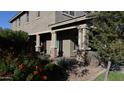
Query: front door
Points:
[59, 44]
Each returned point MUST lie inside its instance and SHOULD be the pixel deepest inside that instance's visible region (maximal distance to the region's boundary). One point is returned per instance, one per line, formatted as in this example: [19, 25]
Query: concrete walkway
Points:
[122, 70]
[93, 73]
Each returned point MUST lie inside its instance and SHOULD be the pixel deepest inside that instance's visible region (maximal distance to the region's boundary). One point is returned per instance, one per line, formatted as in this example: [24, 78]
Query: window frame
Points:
[19, 21]
[15, 22]
[72, 12]
[68, 13]
[27, 16]
[38, 13]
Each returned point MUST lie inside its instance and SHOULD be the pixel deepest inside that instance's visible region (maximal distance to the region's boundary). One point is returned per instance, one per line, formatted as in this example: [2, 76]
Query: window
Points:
[16, 23]
[27, 16]
[38, 14]
[72, 13]
[65, 12]
[19, 21]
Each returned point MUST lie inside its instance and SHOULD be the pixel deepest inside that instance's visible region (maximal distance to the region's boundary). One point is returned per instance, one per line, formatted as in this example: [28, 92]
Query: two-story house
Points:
[57, 33]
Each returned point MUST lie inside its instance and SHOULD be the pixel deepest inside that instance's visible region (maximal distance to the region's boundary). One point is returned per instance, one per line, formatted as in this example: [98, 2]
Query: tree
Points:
[1, 29]
[15, 39]
[107, 36]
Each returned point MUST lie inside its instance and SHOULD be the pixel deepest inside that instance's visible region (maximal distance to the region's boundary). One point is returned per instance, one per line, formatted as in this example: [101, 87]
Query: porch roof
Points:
[77, 19]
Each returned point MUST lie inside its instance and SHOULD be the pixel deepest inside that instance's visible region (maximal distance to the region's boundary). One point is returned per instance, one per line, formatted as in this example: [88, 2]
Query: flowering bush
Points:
[56, 73]
[22, 67]
[30, 68]
[18, 40]
[21, 63]
[7, 62]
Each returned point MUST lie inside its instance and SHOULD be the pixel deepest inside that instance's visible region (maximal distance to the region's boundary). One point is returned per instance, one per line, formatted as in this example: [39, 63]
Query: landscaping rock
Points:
[93, 59]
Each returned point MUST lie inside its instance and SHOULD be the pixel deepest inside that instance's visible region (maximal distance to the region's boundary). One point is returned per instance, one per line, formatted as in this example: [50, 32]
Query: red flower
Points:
[28, 65]
[44, 77]
[36, 67]
[20, 66]
[35, 72]
[41, 70]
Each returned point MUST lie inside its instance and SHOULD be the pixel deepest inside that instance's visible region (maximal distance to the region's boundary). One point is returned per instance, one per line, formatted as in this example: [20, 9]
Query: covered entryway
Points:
[68, 36]
[45, 42]
[42, 42]
[67, 42]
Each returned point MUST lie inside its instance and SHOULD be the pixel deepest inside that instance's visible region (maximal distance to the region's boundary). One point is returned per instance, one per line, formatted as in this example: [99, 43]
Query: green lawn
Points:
[113, 76]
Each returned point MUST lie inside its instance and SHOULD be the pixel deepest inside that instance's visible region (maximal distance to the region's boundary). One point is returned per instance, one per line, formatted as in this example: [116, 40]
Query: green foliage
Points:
[107, 38]
[56, 73]
[16, 62]
[20, 64]
[113, 76]
[30, 68]
[38, 68]
[16, 39]
[3, 68]
[7, 63]
[66, 63]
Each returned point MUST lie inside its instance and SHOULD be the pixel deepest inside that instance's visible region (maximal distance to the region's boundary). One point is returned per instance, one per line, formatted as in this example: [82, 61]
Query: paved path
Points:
[122, 70]
[93, 73]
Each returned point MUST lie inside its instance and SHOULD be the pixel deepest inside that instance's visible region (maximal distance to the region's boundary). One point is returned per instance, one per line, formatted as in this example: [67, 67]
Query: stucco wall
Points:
[60, 16]
[39, 24]
[36, 24]
[79, 13]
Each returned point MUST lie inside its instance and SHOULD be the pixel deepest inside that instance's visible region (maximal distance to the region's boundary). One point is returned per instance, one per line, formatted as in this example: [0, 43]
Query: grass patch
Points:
[113, 76]
[121, 64]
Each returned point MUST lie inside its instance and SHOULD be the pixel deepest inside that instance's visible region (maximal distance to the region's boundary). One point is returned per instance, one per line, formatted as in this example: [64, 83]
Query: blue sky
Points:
[5, 16]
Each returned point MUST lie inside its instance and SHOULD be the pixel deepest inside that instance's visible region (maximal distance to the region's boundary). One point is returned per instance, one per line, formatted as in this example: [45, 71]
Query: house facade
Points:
[57, 33]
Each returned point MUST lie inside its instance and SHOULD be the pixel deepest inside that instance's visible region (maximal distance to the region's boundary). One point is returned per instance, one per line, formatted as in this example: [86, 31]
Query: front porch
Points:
[64, 38]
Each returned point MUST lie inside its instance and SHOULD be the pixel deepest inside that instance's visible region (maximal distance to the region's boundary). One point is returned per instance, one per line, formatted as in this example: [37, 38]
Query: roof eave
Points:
[13, 18]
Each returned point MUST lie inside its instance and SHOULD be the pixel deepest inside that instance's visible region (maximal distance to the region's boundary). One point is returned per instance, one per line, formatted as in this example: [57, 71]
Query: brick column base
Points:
[53, 53]
[37, 48]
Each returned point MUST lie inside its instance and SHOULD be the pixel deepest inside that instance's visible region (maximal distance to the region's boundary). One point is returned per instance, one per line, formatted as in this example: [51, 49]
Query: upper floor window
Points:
[19, 21]
[27, 16]
[15, 22]
[38, 14]
[72, 13]
[65, 12]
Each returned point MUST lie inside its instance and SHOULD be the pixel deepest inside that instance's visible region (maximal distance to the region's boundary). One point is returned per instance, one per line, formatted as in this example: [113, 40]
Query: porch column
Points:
[37, 47]
[53, 45]
[82, 36]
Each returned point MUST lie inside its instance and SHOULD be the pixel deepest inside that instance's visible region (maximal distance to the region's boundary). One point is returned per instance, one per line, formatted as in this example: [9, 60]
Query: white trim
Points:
[66, 28]
[43, 32]
[37, 18]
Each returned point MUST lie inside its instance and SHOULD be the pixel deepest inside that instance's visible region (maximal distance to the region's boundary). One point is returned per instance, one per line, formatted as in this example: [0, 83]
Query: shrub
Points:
[67, 63]
[8, 62]
[3, 68]
[18, 62]
[23, 67]
[30, 68]
[16, 39]
[56, 73]
[115, 67]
